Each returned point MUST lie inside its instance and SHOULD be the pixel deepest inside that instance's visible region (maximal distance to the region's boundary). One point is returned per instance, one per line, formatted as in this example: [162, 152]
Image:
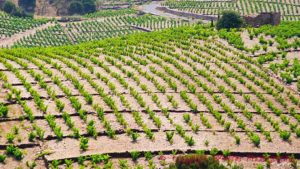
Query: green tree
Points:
[9, 7]
[75, 7]
[230, 19]
[27, 5]
[89, 6]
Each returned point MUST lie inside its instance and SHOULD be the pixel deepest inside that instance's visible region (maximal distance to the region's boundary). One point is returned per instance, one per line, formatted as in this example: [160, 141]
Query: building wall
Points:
[272, 18]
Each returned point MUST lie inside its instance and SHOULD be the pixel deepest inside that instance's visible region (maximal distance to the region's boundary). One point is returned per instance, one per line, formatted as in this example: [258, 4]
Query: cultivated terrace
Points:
[139, 100]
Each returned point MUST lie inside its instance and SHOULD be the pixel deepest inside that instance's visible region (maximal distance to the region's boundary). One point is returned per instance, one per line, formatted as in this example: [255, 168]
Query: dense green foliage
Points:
[82, 7]
[230, 19]
[27, 5]
[3, 110]
[10, 8]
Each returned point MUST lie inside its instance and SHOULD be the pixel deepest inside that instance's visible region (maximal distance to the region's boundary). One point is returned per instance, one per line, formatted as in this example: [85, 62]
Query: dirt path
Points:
[9, 41]
[152, 8]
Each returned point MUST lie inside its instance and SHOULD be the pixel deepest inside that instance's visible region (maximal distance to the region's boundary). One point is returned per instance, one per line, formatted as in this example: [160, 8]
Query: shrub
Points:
[260, 166]
[134, 136]
[123, 164]
[298, 132]
[285, 135]
[230, 19]
[81, 160]
[84, 143]
[187, 117]
[54, 164]
[135, 155]
[3, 110]
[287, 77]
[190, 141]
[148, 155]
[227, 126]
[195, 161]
[255, 139]
[10, 137]
[91, 129]
[31, 136]
[213, 151]
[226, 153]
[14, 151]
[2, 158]
[169, 135]
[31, 165]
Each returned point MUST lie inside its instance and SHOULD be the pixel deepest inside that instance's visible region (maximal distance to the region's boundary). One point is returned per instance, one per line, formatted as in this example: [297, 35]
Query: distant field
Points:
[97, 26]
[10, 25]
[289, 9]
[140, 100]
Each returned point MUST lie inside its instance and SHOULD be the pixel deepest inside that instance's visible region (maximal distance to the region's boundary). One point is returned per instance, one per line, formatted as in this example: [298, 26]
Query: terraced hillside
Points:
[97, 26]
[138, 100]
[289, 9]
[13, 28]
[10, 25]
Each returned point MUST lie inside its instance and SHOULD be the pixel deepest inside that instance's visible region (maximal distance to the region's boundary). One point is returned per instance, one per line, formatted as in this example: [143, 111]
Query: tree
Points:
[9, 7]
[27, 5]
[89, 6]
[75, 8]
[230, 19]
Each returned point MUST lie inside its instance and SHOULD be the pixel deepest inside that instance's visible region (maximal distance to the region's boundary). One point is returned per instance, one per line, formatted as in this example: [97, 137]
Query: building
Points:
[272, 18]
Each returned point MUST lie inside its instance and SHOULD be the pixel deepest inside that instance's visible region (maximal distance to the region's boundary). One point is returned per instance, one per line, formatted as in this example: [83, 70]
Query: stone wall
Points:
[272, 18]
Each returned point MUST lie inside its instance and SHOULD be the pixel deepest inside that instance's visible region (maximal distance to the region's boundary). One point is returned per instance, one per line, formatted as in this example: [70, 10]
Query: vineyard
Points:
[51, 36]
[116, 26]
[10, 25]
[289, 9]
[97, 26]
[140, 100]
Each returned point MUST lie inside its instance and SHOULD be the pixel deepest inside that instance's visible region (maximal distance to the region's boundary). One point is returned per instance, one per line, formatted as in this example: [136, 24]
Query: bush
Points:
[2, 158]
[3, 110]
[84, 143]
[195, 161]
[135, 155]
[285, 135]
[255, 140]
[230, 19]
[11, 150]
